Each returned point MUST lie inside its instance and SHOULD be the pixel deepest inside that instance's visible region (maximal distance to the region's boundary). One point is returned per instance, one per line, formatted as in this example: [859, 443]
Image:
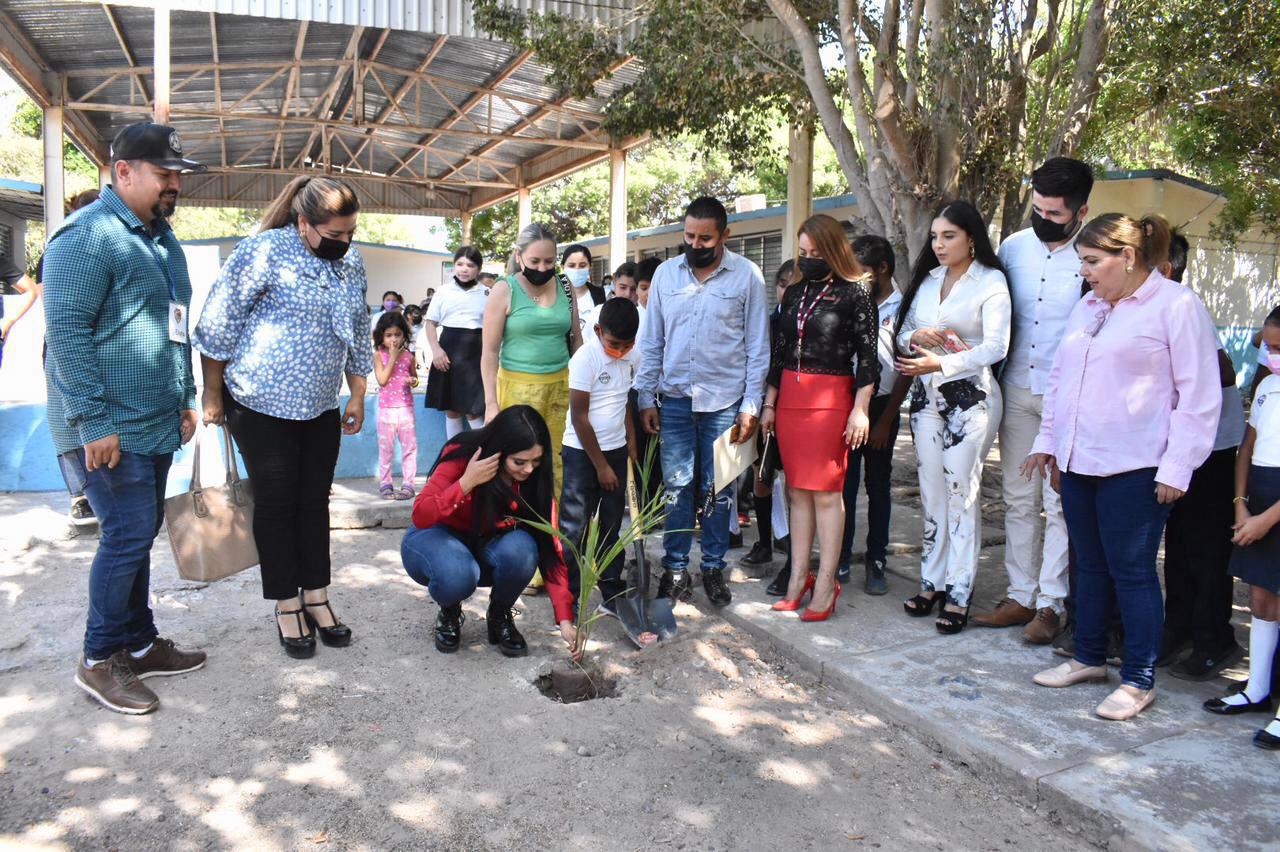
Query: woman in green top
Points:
[530, 330]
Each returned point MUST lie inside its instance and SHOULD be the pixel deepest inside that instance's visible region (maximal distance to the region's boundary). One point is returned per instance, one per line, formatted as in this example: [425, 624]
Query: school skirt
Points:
[1258, 564]
[459, 388]
[813, 410]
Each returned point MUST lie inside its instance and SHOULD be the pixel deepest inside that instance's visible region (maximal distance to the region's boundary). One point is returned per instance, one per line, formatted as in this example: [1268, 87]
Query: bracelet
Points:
[768, 405]
[1238, 499]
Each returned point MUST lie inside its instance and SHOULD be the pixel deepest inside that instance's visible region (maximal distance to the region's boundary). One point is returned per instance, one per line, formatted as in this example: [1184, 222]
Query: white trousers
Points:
[953, 427]
[1022, 499]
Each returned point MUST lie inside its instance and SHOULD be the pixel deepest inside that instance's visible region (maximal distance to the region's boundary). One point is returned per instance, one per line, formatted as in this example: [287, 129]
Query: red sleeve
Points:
[556, 575]
[442, 496]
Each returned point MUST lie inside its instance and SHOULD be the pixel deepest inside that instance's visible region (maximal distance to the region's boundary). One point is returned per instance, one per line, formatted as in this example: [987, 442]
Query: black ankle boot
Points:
[503, 633]
[778, 588]
[716, 588]
[876, 584]
[449, 628]
[677, 585]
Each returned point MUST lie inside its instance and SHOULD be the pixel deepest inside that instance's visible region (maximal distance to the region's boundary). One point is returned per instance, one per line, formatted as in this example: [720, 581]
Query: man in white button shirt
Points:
[1044, 279]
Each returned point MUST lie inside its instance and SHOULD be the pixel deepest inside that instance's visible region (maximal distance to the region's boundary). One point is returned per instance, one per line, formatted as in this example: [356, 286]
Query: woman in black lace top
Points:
[822, 374]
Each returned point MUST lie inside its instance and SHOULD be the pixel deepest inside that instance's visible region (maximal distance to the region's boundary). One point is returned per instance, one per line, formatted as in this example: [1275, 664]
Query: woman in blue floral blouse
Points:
[284, 321]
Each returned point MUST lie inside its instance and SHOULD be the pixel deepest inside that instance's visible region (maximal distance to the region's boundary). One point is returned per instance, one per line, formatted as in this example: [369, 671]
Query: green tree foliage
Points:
[1196, 84]
[920, 99]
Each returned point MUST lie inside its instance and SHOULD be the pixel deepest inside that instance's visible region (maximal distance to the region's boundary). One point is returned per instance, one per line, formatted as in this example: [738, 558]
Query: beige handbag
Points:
[211, 529]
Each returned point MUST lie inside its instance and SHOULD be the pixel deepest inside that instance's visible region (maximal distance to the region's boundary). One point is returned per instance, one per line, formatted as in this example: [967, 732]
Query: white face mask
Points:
[577, 277]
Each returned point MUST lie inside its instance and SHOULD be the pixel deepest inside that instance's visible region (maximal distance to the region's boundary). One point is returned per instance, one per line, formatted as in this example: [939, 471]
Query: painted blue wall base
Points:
[28, 463]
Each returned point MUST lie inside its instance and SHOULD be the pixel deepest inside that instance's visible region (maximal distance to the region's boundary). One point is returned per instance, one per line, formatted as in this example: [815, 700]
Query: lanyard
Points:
[164, 267]
[803, 314]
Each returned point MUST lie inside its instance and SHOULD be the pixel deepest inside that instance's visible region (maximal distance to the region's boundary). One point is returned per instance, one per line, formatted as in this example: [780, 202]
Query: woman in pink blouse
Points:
[1130, 412]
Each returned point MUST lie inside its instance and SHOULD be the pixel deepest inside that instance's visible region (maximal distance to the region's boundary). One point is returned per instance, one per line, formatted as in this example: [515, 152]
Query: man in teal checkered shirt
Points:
[116, 294]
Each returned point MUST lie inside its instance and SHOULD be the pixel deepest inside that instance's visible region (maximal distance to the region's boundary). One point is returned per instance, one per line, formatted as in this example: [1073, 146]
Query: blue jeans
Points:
[73, 473]
[439, 559]
[688, 438]
[879, 467]
[580, 500]
[129, 503]
[1115, 526]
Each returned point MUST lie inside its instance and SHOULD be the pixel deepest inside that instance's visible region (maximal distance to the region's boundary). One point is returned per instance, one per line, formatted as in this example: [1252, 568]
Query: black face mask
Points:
[700, 258]
[1052, 232]
[814, 268]
[537, 277]
[329, 248]
[465, 285]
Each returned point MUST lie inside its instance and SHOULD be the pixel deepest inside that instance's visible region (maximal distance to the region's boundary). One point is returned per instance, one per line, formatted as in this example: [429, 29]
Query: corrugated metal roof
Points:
[475, 118]
[445, 17]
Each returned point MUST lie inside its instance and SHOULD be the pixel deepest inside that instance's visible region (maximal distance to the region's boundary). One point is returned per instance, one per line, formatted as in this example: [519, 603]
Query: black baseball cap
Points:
[154, 143]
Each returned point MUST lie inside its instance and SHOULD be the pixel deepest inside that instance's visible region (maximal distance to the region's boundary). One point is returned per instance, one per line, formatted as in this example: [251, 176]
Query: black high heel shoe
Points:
[299, 648]
[337, 636]
[950, 623]
[922, 605]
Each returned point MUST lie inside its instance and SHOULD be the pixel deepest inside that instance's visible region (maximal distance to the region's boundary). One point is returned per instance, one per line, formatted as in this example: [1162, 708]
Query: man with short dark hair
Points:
[1045, 283]
[704, 354]
[116, 295]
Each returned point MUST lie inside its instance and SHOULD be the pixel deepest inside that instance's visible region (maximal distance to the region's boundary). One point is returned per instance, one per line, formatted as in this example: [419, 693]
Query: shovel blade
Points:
[661, 618]
[632, 617]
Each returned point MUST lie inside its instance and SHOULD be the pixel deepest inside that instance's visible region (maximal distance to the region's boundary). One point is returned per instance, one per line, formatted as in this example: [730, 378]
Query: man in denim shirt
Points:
[704, 353]
[116, 295]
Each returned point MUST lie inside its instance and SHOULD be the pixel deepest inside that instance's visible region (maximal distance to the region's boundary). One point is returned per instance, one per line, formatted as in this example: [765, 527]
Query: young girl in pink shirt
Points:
[397, 374]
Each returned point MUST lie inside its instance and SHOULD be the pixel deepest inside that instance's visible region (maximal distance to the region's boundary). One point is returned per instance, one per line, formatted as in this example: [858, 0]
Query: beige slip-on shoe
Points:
[1125, 703]
[1069, 674]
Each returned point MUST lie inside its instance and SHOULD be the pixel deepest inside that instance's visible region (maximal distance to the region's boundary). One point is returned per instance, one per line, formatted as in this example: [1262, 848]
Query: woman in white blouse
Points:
[952, 328]
[452, 331]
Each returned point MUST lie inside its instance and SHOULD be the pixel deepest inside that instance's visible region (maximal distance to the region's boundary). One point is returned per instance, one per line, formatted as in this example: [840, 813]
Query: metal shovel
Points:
[637, 613]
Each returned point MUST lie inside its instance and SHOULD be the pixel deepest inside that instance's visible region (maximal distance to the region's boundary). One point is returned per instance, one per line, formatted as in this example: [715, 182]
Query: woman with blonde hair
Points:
[817, 400]
[285, 319]
[530, 330]
[1130, 411]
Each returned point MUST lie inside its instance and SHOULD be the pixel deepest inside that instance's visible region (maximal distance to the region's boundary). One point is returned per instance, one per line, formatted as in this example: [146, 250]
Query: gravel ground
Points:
[711, 743]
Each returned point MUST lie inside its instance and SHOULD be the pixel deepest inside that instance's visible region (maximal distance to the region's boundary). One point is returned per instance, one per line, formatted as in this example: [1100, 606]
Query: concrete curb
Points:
[1094, 824]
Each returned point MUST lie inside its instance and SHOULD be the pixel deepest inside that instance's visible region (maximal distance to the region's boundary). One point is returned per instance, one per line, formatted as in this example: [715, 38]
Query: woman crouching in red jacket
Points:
[467, 533]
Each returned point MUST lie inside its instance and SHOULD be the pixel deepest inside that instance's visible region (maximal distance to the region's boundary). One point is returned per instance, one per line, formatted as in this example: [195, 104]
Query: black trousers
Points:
[290, 465]
[879, 475]
[580, 500]
[1197, 548]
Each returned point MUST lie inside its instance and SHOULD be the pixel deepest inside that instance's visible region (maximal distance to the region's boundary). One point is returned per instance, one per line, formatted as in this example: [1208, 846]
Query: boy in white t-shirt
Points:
[598, 437]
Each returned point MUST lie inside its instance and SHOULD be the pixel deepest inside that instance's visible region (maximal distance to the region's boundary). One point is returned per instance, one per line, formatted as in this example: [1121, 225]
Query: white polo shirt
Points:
[1264, 417]
[608, 380]
[454, 307]
[1045, 286]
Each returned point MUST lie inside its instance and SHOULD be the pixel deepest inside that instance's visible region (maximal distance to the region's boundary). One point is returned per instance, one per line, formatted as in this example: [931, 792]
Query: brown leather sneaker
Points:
[1041, 629]
[164, 658]
[114, 685]
[1006, 614]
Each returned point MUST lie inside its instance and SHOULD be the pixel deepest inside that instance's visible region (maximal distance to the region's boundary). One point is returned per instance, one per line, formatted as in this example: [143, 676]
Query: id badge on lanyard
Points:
[178, 317]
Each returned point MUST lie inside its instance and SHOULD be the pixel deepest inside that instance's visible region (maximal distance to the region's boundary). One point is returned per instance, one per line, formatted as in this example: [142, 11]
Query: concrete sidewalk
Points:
[1175, 778]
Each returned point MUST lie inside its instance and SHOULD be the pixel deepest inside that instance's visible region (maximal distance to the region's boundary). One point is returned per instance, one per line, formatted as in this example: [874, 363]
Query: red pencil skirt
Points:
[812, 412]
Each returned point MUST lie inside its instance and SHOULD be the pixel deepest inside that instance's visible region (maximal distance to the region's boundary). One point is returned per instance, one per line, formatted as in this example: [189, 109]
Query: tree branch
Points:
[828, 111]
[1084, 85]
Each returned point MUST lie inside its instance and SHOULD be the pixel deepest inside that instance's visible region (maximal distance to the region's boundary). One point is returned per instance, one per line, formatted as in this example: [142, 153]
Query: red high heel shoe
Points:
[814, 615]
[785, 605]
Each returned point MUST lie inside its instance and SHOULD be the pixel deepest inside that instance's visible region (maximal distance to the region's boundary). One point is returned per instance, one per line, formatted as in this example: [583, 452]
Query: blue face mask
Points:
[578, 277]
